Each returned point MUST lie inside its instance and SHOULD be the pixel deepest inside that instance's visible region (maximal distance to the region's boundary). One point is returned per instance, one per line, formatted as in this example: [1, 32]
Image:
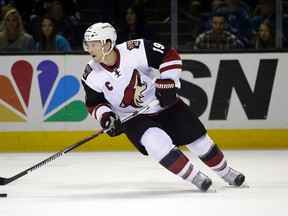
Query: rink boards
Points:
[242, 99]
[56, 141]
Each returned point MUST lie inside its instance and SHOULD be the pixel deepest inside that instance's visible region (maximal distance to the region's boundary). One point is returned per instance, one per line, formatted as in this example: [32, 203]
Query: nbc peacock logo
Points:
[54, 97]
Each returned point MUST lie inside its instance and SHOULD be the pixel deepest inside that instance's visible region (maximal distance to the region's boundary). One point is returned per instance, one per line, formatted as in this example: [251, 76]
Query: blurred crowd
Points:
[49, 25]
[225, 24]
[42, 25]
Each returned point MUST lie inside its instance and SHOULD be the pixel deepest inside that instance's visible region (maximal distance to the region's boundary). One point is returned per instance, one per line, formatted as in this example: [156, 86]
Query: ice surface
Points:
[127, 183]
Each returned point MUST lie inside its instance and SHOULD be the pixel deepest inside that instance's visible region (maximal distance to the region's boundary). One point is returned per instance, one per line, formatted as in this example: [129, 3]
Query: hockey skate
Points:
[202, 181]
[234, 178]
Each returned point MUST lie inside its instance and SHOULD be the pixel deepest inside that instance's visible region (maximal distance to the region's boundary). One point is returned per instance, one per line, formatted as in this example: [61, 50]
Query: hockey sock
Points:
[216, 161]
[210, 154]
[176, 162]
[160, 147]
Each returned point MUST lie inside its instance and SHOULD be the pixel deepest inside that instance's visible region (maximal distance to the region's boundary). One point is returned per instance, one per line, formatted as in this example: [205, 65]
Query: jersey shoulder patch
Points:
[87, 71]
[133, 44]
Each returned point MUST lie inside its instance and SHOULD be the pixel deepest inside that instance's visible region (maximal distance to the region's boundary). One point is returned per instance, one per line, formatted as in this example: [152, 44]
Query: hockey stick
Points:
[4, 181]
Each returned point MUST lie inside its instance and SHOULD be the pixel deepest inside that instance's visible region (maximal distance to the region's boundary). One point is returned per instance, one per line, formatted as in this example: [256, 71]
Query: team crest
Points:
[133, 92]
[133, 44]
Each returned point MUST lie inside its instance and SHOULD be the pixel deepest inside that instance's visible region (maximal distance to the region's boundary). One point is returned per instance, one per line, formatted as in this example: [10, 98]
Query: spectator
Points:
[13, 37]
[49, 40]
[238, 19]
[195, 20]
[250, 5]
[268, 12]
[215, 4]
[113, 11]
[221, 3]
[70, 7]
[25, 9]
[64, 25]
[136, 25]
[217, 37]
[265, 38]
[4, 9]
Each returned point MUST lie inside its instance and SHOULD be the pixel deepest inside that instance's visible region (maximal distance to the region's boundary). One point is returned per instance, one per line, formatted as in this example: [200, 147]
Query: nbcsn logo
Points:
[15, 94]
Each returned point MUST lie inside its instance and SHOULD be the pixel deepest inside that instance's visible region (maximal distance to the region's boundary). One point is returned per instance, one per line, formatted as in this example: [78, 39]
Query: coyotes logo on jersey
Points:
[132, 44]
[133, 92]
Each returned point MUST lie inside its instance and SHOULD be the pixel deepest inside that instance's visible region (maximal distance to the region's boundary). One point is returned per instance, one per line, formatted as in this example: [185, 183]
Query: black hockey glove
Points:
[165, 91]
[112, 121]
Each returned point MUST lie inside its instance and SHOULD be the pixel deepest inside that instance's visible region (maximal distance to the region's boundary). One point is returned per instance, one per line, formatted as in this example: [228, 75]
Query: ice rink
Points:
[127, 183]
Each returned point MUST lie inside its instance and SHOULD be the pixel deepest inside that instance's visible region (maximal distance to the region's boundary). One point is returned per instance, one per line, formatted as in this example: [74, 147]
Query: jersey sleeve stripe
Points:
[173, 62]
[102, 108]
[170, 67]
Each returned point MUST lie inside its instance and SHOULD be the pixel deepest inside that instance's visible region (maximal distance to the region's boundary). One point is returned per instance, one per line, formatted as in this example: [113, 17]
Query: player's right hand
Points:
[111, 121]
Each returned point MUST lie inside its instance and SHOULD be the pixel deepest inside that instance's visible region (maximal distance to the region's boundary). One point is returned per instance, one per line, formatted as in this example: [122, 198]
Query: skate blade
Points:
[211, 189]
[244, 185]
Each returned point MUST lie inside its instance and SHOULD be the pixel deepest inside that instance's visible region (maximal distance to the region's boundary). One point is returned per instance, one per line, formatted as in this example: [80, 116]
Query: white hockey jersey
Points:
[130, 85]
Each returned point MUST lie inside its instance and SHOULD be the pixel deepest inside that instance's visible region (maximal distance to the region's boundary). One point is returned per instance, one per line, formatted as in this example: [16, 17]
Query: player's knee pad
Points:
[201, 146]
[157, 143]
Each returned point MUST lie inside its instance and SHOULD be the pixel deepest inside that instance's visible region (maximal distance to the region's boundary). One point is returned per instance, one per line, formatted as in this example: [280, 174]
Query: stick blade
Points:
[3, 181]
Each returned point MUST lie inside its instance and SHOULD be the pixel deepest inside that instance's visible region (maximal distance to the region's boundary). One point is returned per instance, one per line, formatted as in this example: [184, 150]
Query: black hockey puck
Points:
[3, 194]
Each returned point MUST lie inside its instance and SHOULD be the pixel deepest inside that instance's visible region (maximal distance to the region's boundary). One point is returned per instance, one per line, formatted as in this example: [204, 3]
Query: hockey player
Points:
[119, 80]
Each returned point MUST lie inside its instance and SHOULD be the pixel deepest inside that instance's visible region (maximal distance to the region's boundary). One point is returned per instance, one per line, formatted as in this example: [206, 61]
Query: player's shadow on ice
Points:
[130, 194]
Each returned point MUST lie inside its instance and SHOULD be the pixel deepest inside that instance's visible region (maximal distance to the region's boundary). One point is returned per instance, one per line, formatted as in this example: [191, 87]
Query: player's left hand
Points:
[165, 91]
[112, 122]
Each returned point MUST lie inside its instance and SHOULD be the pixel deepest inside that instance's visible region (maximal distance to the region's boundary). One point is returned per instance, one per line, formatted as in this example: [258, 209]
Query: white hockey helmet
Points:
[100, 32]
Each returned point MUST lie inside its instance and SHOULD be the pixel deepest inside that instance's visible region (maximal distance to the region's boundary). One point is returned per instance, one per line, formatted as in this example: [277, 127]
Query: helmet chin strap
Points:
[104, 54]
